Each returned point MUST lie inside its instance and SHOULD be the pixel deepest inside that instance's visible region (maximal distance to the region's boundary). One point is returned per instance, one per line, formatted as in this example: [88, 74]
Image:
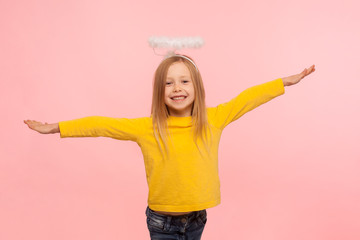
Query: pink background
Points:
[289, 169]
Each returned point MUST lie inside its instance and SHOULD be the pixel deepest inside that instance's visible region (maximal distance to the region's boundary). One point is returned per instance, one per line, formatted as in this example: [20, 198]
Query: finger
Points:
[303, 73]
[308, 71]
[311, 69]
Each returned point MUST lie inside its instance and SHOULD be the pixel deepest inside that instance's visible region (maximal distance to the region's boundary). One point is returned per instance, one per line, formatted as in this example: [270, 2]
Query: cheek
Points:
[167, 91]
[192, 91]
[166, 94]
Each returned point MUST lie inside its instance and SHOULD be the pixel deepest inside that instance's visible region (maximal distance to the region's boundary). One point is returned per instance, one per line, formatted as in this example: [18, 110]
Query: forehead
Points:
[178, 69]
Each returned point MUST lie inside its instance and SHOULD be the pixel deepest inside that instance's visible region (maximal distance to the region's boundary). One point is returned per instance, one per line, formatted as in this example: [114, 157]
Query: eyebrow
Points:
[183, 76]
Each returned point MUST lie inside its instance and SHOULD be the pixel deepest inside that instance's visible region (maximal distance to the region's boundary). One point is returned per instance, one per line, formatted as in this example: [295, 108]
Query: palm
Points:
[291, 80]
[38, 126]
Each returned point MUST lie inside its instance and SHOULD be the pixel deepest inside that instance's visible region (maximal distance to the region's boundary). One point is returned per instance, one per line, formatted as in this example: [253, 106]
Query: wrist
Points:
[285, 82]
[55, 128]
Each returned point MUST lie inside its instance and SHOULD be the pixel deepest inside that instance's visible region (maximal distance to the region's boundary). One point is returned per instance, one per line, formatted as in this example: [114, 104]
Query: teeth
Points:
[178, 98]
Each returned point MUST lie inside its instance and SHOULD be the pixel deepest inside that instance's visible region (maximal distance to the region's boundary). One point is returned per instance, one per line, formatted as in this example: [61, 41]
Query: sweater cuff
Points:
[279, 85]
[62, 130]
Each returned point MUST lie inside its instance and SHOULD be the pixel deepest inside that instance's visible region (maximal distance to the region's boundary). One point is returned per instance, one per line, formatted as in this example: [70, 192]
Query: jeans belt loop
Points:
[167, 223]
[197, 214]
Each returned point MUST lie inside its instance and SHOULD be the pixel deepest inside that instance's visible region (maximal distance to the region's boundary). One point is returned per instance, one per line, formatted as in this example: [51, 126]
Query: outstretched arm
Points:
[95, 126]
[294, 79]
[43, 128]
[253, 97]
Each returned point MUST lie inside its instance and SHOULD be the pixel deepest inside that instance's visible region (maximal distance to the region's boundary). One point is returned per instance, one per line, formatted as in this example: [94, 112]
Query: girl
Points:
[179, 142]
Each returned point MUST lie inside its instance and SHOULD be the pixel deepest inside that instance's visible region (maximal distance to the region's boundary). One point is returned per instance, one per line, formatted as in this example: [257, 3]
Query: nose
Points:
[176, 88]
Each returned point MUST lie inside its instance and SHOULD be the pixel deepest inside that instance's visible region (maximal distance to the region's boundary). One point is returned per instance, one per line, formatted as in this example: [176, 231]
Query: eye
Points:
[168, 83]
[185, 81]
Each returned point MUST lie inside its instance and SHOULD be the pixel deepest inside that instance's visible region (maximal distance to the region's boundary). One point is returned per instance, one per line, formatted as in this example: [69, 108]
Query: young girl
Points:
[179, 142]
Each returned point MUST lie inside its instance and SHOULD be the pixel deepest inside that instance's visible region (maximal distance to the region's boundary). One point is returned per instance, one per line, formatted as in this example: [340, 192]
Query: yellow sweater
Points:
[187, 179]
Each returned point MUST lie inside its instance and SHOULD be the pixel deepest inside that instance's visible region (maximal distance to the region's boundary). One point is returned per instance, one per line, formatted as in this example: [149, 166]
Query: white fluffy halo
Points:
[175, 42]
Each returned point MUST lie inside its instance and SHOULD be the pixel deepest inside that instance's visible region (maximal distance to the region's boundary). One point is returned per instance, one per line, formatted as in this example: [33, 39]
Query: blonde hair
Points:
[160, 112]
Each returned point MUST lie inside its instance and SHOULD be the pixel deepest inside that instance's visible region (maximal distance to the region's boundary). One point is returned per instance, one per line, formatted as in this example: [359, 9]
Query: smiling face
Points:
[179, 90]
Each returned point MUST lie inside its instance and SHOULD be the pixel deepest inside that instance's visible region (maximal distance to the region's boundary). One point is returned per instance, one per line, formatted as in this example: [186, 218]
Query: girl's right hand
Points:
[43, 128]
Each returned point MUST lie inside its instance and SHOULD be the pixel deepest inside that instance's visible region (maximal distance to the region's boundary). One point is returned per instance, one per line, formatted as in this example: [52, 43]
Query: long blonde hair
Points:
[160, 112]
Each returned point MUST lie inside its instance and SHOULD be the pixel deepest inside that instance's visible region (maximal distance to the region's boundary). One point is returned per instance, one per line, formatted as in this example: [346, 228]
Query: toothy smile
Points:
[178, 97]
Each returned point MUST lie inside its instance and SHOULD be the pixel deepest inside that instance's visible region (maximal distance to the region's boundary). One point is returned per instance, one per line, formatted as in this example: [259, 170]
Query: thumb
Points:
[303, 73]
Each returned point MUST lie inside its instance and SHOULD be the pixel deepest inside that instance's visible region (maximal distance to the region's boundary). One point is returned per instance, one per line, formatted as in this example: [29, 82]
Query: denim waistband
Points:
[175, 219]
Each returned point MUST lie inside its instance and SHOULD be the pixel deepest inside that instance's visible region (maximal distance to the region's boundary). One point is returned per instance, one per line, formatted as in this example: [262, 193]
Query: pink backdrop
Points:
[289, 169]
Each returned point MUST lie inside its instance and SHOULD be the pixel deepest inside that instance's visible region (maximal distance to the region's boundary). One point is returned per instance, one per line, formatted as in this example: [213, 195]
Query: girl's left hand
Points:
[291, 80]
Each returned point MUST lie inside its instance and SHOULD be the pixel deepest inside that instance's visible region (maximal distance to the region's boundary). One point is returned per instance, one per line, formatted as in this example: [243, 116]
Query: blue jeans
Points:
[184, 227]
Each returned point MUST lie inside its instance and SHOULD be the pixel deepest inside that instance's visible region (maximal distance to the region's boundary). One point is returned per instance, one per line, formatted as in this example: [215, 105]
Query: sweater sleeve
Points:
[95, 126]
[246, 101]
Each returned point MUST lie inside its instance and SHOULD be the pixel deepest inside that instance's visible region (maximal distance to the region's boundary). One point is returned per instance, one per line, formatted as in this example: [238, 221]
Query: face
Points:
[179, 90]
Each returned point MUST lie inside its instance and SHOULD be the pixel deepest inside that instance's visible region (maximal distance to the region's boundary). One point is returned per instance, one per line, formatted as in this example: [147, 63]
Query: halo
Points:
[175, 42]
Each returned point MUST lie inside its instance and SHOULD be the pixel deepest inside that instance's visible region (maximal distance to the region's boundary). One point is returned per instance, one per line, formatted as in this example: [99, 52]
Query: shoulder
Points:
[141, 120]
[211, 114]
